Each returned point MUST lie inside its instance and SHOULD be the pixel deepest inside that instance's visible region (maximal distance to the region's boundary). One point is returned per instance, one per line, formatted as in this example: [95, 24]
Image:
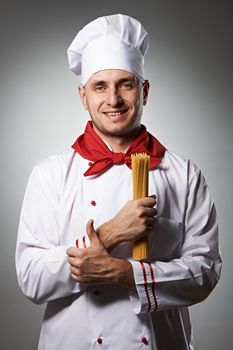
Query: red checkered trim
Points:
[153, 284]
[149, 285]
[84, 242]
[146, 285]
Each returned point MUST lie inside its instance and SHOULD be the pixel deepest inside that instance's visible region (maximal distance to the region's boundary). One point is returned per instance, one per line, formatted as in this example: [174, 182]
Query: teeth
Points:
[113, 114]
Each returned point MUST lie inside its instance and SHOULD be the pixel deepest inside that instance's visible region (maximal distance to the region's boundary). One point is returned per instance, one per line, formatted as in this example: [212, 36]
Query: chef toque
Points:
[109, 42]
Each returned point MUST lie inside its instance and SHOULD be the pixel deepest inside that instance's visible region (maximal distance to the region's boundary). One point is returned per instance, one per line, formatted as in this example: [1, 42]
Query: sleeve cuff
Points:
[144, 299]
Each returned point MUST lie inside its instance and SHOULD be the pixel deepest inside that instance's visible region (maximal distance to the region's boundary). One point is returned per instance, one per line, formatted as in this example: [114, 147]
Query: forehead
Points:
[110, 75]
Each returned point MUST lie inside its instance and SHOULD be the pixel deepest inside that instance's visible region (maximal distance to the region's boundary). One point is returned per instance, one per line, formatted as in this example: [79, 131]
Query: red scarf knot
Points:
[118, 158]
[91, 147]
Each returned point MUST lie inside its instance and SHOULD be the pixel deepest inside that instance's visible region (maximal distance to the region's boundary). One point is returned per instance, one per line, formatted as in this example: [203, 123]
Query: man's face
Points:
[114, 99]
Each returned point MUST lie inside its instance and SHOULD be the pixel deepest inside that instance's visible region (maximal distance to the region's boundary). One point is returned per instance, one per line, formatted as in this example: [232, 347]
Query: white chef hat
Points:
[109, 42]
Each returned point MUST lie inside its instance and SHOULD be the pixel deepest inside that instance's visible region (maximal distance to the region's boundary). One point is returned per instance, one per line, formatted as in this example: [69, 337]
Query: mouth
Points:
[115, 114]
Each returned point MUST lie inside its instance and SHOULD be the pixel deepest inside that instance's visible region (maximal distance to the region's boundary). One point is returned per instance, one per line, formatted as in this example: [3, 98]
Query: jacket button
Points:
[93, 203]
[99, 340]
[144, 340]
[90, 163]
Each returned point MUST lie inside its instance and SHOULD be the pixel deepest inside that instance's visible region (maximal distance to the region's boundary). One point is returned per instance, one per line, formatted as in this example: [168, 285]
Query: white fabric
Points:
[110, 42]
[183, 251]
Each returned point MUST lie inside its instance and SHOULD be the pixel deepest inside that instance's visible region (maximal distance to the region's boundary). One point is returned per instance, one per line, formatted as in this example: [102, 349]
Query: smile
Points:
[114, 114]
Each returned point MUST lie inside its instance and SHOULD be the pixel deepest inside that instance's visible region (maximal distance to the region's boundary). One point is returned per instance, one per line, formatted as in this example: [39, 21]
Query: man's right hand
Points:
[135, 220]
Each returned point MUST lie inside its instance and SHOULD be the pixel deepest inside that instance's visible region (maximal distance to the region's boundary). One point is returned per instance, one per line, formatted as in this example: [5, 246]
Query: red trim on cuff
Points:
[84, 242]
[146, 285]
[153, 284]
[77, 244]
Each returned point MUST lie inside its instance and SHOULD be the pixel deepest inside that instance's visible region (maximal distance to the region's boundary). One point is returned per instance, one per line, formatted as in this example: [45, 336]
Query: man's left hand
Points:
[92, 264]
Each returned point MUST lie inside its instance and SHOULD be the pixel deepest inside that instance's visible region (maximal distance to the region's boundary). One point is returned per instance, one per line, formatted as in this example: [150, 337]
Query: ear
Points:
[82, 95]
[146, 87]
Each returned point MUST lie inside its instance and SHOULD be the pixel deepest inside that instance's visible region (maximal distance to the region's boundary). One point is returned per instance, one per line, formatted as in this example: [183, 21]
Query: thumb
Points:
[92, 234]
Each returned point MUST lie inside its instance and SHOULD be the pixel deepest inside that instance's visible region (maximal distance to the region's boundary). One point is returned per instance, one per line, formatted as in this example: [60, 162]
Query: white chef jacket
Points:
[184, 255]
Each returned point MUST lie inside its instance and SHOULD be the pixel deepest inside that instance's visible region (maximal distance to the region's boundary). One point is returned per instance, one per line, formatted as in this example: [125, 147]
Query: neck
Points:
[119, 144]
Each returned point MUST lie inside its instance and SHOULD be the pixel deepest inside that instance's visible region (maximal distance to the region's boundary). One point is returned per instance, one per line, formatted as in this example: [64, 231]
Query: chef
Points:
[78, 219]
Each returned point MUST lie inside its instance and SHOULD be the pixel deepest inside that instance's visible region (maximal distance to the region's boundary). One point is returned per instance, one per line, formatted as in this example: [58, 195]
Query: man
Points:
[79, 221]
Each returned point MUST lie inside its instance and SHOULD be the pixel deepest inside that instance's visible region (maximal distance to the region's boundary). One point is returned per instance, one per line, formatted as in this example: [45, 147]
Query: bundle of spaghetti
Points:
[140, 173]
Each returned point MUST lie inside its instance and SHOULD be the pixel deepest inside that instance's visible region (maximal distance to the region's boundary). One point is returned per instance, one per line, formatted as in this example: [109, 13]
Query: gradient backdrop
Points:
[189, 65]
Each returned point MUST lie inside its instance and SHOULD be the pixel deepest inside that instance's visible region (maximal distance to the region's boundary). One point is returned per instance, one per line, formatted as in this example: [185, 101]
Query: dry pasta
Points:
[140, 173]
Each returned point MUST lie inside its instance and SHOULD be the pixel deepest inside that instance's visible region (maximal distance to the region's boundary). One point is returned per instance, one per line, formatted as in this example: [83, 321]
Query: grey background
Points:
[189, 65]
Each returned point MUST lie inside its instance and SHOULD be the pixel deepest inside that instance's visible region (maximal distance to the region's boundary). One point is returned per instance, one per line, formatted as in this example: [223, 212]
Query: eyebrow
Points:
[120, 81]
[98, 82]
[130, 79]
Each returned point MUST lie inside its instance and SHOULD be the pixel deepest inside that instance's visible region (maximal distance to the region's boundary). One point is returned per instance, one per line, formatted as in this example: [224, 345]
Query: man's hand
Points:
[95, 265]
[135, 220]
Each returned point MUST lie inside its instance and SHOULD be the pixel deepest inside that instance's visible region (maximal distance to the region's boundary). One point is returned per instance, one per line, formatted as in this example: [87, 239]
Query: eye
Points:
[99, 88]
[128, 85]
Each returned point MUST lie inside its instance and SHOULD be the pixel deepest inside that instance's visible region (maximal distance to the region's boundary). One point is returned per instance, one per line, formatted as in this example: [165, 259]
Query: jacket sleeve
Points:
[190, 277]
[41, 262]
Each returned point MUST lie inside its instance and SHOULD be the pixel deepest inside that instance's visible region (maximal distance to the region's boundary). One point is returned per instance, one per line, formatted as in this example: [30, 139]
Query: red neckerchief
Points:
[91, 147]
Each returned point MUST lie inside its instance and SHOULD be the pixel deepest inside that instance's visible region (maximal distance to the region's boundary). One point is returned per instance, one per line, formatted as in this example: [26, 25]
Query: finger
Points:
[150, 212]
[92, 234]
[148, 201]
[152, 196]
[72, 261]
[72, 251]
[73, 270]
[74, 277]
[150, 222]
[151, 229]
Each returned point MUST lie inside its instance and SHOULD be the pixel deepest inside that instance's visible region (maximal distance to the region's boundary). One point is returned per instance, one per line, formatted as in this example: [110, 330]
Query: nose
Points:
[113, 97]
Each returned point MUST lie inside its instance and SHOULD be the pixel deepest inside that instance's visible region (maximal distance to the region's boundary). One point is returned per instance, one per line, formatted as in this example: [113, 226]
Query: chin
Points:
[121, 130]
